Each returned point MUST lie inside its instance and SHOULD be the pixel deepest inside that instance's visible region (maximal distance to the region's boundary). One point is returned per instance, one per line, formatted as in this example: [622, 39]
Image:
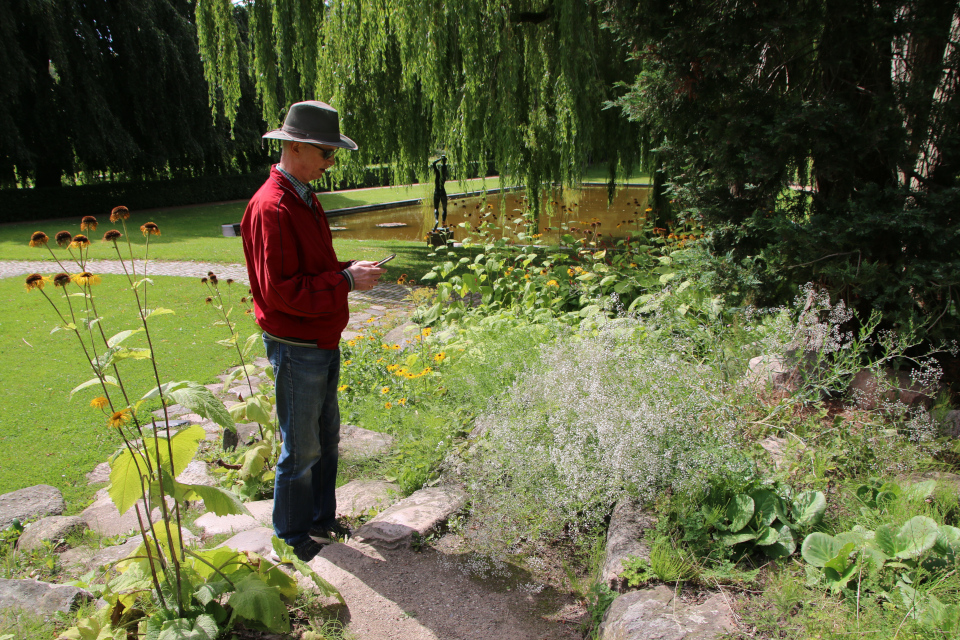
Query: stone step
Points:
[421, 513]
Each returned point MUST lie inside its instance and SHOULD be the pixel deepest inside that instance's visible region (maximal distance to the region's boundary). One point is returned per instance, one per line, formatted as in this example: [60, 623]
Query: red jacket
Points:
[298, 290]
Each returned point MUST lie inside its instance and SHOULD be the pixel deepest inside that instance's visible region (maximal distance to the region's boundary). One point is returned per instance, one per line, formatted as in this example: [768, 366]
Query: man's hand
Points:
[365, 274]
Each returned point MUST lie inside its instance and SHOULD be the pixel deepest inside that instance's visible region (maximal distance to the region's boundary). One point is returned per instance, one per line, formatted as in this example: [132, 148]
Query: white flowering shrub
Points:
[600, 417]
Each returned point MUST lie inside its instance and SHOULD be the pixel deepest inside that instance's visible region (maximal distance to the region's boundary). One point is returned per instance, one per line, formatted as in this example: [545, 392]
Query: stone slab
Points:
[41, 597]
[197, 472]
[51, 528]
[89, 560]
[262, 511]
[420, 513]
[102, 516]
[100, 474]
[655, 613]
[402, 335]
[257, 540]
[625, 538]
[357, 442]
[173, 411]
[210, 524]
[365, 497]
[36, 501]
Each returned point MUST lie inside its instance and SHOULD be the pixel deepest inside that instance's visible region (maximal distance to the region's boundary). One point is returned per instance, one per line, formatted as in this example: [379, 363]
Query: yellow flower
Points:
[351, 343]
[402, 401]
[119, 418]
[402, 372]
[553, 283]
[99, 403]
[526, 276]
[570, 272]
[388, 405]
[393, 367]
[369, 320]
[425, 371]
[384, 390]
[80, 241]
[633, 265]
[427, 331]
[440, 357]
[343, 387]
[346, 362]
[380, 360]
[86, 278]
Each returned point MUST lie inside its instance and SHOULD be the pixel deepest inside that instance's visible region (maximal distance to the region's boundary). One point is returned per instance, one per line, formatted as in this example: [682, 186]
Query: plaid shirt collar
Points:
[303, 189]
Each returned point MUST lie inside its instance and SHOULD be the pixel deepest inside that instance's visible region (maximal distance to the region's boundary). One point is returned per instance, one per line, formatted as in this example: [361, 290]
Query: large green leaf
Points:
[125, 480]
[286, 554]
[124, 353]
[808, 509]
[739, 512]
[736, 538]
[765, 507]
[120, 337]
[819, 548]
[767, 536]
[203, 627]
[885, 539]
[195, 397]
[258, 409]
[785, 544]
[948, 539]
[916, 537]
[255, 601]
[215, 499]
[110, 381]
[183, 445]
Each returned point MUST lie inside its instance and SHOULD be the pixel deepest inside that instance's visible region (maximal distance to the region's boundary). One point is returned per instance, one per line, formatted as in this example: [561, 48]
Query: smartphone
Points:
[386, 260]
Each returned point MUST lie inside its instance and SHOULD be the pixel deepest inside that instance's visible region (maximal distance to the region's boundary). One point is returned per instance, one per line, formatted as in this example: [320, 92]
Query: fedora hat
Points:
[312, 121]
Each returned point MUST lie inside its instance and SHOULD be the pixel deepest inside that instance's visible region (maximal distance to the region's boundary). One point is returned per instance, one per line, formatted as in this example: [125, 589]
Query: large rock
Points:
[257, 540]
[357, 442]
[41, 597]
[773, 372]
[950, 426]
[868, 393]
[654, 614]
[420, 513]
[51, 528]
[196, 473]
[403, 335]
[32, 502]
[87, 559]
[210, 524]
[365, 497]
[100, 474]
[625, 538]
[104, 518]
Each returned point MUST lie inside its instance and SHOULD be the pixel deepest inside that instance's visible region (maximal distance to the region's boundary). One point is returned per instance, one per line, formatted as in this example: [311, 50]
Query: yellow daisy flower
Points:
[99, 403]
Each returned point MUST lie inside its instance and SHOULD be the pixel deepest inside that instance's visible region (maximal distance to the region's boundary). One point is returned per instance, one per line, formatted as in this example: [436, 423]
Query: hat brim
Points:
[343, 142]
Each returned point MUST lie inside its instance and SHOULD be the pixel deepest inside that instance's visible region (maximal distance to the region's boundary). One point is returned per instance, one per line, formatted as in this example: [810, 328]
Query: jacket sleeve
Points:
[285, 287]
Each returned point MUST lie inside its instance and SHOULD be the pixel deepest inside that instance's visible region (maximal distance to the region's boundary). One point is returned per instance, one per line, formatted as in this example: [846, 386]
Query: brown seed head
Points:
[88, 223]
[213, 279]
[203, 280]
[38, 239]
[61, 279]
[112, 236]
[150, 229]
[35, 281]
[208, 300]
[80, 241]
[229, 280]
[119, 213]
[63, 238]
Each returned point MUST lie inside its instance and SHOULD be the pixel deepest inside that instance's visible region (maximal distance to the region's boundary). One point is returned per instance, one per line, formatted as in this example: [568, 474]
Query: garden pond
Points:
[577, 209]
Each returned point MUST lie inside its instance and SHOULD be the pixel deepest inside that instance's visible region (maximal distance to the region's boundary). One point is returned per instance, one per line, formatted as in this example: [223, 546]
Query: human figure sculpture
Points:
[440, 177]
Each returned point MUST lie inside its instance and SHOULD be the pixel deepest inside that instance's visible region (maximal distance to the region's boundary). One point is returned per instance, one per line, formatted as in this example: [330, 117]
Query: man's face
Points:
[312, 160]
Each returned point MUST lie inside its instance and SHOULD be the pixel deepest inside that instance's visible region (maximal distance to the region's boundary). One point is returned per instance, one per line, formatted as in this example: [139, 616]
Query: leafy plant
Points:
[764, 521]
[165, 589]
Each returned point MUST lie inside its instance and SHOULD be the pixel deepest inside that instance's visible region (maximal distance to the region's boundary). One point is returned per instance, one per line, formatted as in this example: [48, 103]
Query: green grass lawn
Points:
[45, 437]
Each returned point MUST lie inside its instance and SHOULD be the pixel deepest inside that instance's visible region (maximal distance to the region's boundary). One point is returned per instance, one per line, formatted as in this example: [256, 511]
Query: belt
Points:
[296, 342]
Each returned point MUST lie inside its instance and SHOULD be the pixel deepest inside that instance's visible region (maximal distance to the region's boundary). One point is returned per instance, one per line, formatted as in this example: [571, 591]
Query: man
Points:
[440, 177]
[300, 300]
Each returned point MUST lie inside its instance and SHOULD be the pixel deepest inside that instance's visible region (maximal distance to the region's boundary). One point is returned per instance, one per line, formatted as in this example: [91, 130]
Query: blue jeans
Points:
[304, 493]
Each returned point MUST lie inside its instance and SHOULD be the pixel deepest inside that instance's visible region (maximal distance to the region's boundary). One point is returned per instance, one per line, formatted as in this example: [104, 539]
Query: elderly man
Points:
[300, 300]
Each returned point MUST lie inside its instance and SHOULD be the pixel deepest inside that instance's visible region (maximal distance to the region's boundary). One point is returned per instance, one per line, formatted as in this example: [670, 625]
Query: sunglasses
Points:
[327, 153]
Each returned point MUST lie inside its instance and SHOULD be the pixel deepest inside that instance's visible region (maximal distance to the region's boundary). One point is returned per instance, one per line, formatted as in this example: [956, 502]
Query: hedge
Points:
[21, 205]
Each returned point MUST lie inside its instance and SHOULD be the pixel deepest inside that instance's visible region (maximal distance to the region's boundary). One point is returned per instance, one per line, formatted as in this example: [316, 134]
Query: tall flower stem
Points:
[153, 571]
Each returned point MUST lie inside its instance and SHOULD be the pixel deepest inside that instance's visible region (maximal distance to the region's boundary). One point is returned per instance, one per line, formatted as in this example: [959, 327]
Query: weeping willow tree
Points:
[517, 86]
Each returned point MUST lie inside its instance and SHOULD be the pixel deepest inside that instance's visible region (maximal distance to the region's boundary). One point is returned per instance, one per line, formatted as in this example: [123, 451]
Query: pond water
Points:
[574, 208]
